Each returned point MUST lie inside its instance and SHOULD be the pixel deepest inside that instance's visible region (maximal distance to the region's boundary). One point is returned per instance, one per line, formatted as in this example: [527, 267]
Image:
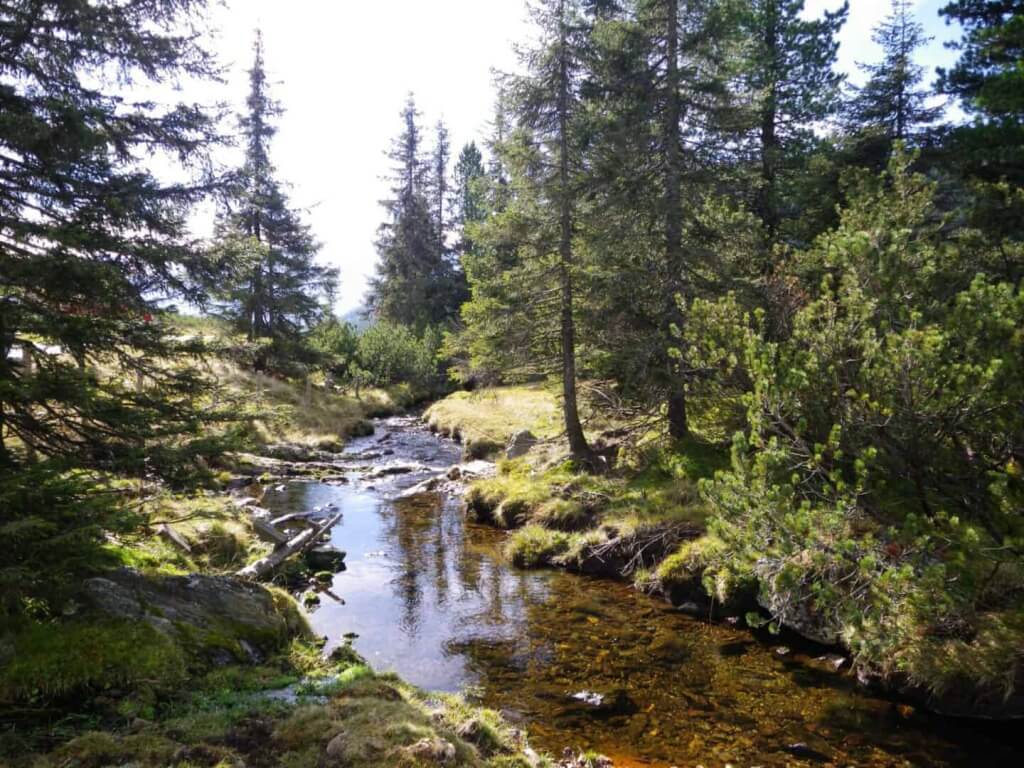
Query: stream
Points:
[589, 663]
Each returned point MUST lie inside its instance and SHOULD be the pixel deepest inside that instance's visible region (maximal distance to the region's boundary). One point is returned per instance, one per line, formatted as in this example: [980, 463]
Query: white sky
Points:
[342, 69]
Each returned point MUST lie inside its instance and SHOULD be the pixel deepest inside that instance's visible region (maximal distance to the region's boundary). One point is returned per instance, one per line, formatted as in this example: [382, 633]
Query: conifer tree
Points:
[791, 83]
[524, 300]
[892, 105]
[467, 203]
[416, 283]
[989, 77]
[657, 99]
[278, 291]
[92, 244]
[439, 188]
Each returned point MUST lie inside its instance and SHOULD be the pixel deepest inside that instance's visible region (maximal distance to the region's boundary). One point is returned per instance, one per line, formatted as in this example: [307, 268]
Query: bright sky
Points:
[342, 70]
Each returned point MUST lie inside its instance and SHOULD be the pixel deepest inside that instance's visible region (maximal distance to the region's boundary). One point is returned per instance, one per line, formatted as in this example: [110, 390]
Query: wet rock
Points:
[430, 485]
[520, 444]
[389, 470]
[793, 608]
[804, 752]
[668, 646]
[832, 661]
[325, 558]
[472, 470]
[602, 704]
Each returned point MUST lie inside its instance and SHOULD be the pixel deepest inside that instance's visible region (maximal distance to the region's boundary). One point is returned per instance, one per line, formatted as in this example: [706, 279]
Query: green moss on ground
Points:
[286, 714]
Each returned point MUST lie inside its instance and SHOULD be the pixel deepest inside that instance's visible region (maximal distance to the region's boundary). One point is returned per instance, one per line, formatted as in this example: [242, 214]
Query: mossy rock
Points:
[206, 615]
[480, 448]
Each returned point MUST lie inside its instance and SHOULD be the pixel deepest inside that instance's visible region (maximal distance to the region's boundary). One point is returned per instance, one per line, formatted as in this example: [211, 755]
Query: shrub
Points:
[876, 491]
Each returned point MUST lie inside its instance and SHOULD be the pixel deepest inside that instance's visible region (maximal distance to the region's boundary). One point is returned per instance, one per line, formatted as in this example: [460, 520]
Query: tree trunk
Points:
[769, 137]
[677, 419]
[295, 546]
[578, 445]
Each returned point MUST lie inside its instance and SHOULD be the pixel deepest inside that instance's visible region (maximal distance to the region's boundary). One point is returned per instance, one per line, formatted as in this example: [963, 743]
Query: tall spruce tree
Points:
[892, 106]
[440, 157]
[467, 205]
[278, 291]
[92, 243]
[416, 282]
[524, 302]
[657, 100]
[790, 80]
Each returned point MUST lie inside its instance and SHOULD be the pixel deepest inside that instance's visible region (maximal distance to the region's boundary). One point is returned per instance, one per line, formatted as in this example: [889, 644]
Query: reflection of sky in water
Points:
[416, 589]
[431, 599]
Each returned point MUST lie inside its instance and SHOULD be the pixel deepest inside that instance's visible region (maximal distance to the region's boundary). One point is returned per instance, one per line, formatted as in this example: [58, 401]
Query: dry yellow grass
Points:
[495, 414]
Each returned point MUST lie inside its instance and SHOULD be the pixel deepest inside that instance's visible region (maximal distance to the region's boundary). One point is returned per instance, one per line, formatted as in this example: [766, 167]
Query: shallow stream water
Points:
[429, 596]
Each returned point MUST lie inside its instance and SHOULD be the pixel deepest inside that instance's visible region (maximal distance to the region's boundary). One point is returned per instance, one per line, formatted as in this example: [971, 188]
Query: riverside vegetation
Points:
[752, 335]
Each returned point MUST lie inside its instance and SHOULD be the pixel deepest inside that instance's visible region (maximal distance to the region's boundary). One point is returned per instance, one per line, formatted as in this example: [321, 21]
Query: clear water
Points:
[431, 598]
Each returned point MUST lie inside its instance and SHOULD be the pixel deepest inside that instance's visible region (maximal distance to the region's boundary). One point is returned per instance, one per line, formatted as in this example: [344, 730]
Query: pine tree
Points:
[416, 283]
[439, 159]
[92, 244]
[523, 285]
[892, 105]
[278, 291]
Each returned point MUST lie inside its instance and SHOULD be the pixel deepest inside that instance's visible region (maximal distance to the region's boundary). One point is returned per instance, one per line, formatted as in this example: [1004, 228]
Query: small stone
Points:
[336, 746]
[782, 650]
[432, 750]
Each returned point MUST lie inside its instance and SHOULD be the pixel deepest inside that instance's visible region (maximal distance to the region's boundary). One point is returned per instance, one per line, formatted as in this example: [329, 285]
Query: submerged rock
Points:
[325, 558]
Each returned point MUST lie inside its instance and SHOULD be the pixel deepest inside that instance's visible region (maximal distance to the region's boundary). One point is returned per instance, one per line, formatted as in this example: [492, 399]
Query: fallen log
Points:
[268, 531]
[295, 546]
[174, 537]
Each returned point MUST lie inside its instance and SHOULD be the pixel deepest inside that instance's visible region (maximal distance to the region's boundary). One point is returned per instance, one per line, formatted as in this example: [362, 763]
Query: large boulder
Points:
[520, 444]
[212, 616]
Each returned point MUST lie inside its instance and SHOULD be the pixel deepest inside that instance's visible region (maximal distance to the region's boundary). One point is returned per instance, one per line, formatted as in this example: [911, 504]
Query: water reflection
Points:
[431, 598]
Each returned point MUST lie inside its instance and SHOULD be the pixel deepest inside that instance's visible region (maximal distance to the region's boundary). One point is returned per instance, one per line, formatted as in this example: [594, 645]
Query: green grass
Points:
[534, 546]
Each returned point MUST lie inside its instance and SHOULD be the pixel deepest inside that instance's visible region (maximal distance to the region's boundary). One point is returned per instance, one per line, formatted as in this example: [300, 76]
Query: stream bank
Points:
[583, 661]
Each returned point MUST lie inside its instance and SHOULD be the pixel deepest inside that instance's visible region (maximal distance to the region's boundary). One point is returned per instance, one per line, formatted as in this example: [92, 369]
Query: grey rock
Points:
[520, 444]
[193, 609]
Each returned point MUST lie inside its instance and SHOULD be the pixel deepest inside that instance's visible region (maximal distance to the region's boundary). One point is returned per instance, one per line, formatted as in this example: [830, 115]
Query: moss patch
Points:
[61, 659]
